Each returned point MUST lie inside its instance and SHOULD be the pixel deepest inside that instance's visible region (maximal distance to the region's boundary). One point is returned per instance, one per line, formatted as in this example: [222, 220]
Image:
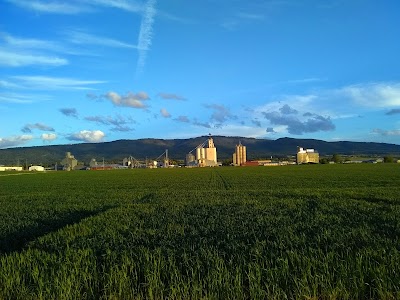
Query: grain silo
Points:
[206, 154]
[239, 157]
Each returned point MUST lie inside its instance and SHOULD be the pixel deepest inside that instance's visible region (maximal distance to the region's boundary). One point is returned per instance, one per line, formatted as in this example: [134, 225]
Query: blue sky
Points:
[102, 70]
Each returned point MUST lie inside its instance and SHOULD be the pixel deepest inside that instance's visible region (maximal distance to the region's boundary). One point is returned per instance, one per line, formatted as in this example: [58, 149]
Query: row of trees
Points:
[336, 158]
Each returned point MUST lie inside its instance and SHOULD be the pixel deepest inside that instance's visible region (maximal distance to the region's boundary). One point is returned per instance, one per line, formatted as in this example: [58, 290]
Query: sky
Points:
[103, 70]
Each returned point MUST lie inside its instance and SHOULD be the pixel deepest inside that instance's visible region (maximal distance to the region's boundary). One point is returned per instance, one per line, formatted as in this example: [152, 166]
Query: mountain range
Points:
[141, 149]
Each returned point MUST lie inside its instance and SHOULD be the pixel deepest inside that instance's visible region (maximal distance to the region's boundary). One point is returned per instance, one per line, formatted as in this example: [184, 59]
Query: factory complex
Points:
[204, 155]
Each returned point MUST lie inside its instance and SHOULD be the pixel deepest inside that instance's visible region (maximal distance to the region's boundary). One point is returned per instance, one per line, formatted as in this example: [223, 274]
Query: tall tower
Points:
[211, 151]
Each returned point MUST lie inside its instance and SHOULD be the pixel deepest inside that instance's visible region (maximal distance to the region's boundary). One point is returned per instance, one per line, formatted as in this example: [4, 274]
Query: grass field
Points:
[292, 232]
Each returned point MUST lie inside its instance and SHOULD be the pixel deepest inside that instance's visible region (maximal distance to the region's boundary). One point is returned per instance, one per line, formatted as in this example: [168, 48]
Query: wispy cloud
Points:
[394, 111]
[256, 122]
[89, 136]
[220, 114]
[395, 132]
[53, 7]
[127, 5]
[240, 130]
[241, 17]
[374, 94]
[54, 83]
[80, 37]
[69, 112]
[182, 119]
[129, 100]
[170, 96]
[119, 122]
[145, 34]
[8, 84]
[165, 113]
[250, 16]
[76, 7]
[12, 58]
[201, 124]
[30, 43]
[23, 98]
[14, 141]
[29, 127]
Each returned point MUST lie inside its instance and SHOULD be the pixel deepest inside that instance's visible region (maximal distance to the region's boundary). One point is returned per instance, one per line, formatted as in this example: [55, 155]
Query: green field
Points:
[292, 232]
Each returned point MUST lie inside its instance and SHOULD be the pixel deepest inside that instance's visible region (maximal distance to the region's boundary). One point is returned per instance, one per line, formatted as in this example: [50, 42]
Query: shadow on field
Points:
[18, 240]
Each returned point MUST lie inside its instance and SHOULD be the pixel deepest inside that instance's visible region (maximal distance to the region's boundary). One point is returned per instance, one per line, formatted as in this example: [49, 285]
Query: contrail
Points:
[145, 34]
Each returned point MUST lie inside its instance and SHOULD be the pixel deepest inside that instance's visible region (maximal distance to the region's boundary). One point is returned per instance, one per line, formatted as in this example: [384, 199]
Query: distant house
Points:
[306, 156]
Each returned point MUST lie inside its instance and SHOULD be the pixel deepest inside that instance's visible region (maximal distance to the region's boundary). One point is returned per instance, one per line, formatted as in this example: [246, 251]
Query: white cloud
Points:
[11, 58]
[165, 113]
[14, 141]
[130, 100]
[79, 37]
[145, 34]
[88, 136]
[374, 94]
[48, 136]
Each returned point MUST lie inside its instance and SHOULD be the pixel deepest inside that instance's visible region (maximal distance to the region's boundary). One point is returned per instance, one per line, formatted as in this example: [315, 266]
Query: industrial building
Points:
[305, 156]
[206, 154]
[69, 162]
[239, 157]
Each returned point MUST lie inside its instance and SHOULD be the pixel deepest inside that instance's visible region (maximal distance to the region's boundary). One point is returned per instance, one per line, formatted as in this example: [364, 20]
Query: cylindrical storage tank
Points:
[198, 153]
[189, 158]
[243, 158]
[203, 153]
